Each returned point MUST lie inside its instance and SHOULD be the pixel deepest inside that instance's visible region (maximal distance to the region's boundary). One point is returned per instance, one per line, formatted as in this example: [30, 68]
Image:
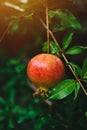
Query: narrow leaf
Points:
[63, 89]
[76, 68]
[19, 68]
[44, 47]
[76, 50]
[14, 27]
[64, 19]
[77, 88]
[84, 69]
[11, 83]
[51, 13]
[12, 96]
[13, 62]
[85, 76]
[40, 123]
[29, 16]
[11, 123]
[68, 19]
[54, 49]
[20, 119]
[86, 114]
[67, 40]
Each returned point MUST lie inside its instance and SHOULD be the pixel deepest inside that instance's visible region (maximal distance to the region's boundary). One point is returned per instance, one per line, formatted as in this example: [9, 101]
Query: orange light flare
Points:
[14, 43]
[13, 8]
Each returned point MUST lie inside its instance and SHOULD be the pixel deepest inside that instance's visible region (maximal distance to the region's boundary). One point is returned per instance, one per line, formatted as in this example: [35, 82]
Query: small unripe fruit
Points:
[45, 70]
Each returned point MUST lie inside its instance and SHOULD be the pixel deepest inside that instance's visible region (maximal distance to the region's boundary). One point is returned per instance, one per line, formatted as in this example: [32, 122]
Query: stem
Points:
[50, 32]
[47, 24]
[66, 60]
[78, 80]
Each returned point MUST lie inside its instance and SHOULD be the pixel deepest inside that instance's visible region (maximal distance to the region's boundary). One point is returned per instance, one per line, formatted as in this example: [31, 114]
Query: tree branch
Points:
[66, 60]
[47, 23]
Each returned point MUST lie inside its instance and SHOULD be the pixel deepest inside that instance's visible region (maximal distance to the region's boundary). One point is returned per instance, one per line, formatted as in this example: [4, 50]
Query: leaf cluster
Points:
[66, 87]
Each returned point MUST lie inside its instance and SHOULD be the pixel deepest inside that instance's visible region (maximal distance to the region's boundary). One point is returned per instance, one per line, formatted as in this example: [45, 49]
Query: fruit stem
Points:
[64, 57]
[47, 24]
[34, 88]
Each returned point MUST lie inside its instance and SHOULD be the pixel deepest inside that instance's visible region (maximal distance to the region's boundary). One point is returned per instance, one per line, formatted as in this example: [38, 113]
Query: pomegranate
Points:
[45, 71]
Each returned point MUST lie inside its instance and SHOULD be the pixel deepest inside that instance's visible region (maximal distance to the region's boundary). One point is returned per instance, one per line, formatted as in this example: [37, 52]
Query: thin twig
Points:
[66, 60]
[78, 80]
[50, 33]
[47, 23]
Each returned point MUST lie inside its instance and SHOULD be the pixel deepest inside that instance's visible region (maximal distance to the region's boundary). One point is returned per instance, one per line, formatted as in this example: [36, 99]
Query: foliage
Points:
[67, 20]
[54, 49]
[18, 109]
[63, 89]
[65, 107]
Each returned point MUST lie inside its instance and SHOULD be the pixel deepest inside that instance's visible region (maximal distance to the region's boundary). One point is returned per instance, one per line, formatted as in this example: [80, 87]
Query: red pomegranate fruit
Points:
[45, 71]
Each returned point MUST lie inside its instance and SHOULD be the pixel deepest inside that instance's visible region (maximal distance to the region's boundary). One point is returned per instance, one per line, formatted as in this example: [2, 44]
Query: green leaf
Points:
[20, 67]
[86, 114]
[64, 19]
[32, 113]
[51, 13]
[27, 114]
[11, 123]
[29, 16]
[84, 69]
[12, 96]
[16, 109]
[13, 62]
[44, 47]
[76, 50]
[20, 119]
[63, 89]
[40, 122]
[85, 76]
[11, 83]
[2, 117]
[67, 40]
[76, 68]
[36, 99]
[68, 19]
[14, 27]
[77, 88]
[54, 49]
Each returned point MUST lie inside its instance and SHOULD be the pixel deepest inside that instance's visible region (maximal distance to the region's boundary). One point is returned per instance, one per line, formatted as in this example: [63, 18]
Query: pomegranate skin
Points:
[45, 70]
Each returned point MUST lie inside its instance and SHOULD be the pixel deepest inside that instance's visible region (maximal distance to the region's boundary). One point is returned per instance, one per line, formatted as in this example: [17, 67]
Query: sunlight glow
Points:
[24, 1]
[14, 6]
